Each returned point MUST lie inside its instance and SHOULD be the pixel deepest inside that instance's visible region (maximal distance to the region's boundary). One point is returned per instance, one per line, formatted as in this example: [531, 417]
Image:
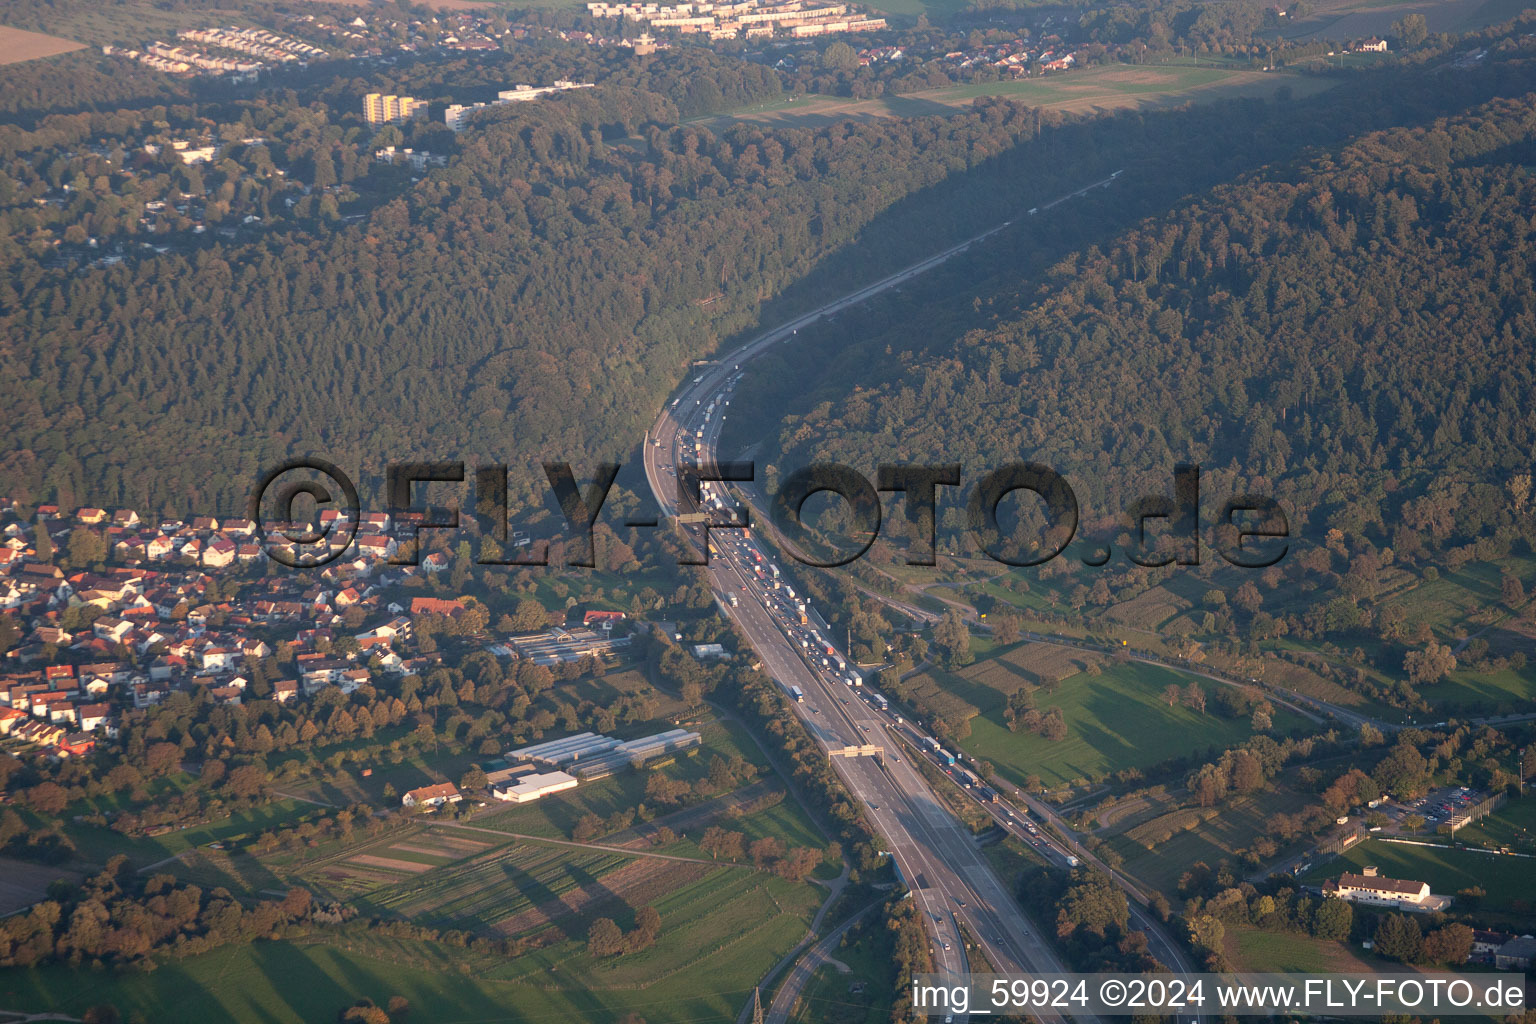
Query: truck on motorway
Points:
[988, 794]
[734, 602]
[1073, 862]
[880, 701]
[798, 694]
[944, 755]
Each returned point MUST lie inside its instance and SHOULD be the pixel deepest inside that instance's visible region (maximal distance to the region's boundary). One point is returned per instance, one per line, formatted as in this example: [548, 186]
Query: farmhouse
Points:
[1371, 887]
[1516, 954]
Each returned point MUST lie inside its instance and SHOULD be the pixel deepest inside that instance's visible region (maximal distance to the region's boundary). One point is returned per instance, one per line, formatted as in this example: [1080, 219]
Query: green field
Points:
[1253, 950]
[1115, 720]
[1110, 86]
[1506, 879]
[1233, 828]
[1506, 691]
[95, 844]
[721, 930]
[938, 10]
[714, 945]
[1513, 825]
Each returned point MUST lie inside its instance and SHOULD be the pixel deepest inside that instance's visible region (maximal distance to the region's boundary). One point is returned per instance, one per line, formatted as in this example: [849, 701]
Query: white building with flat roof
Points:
[527, 788]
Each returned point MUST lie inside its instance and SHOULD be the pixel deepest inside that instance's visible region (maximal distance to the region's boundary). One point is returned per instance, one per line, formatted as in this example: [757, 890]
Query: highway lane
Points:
[949, 877]
[950, 880]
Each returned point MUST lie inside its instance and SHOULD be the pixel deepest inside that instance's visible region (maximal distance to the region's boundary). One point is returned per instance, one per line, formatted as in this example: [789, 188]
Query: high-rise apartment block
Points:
[382, 108]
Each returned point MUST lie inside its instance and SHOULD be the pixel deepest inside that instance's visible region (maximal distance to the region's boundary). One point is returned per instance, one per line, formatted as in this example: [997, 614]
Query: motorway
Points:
[949, 878]
[951, 882]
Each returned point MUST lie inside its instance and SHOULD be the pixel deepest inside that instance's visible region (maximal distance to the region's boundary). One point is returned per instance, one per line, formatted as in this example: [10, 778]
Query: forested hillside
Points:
[1351, 333]
[536, 297]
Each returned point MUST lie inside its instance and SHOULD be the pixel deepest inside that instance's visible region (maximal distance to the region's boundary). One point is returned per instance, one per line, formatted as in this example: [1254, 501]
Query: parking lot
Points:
[1440, 805]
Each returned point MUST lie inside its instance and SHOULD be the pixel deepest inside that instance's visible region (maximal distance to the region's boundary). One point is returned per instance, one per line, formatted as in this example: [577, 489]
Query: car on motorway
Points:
[946, 947]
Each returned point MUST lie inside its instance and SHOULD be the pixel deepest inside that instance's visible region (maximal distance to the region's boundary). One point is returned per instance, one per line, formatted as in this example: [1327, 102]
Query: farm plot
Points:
[636, 884]
[1034, 663]
[1149, 610]
[486, 892]
[393, 860]
[1160, 850]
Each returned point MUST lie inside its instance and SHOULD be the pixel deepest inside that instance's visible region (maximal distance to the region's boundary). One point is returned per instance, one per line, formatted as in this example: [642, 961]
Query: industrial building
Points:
[594, 756]
[557, 644]
[529, 787]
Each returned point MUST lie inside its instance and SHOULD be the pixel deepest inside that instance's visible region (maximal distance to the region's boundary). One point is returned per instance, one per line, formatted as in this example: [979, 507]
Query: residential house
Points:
[94, 716]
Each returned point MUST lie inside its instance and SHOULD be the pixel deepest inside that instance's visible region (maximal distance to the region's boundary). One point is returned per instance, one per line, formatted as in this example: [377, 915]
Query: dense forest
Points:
[538, 296]
[1350, 333]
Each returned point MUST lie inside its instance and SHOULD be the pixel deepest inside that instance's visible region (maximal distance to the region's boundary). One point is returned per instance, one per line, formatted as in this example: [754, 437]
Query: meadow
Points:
[1115, 720]
[1104, 87]
[1254, 950]
[716, 941]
